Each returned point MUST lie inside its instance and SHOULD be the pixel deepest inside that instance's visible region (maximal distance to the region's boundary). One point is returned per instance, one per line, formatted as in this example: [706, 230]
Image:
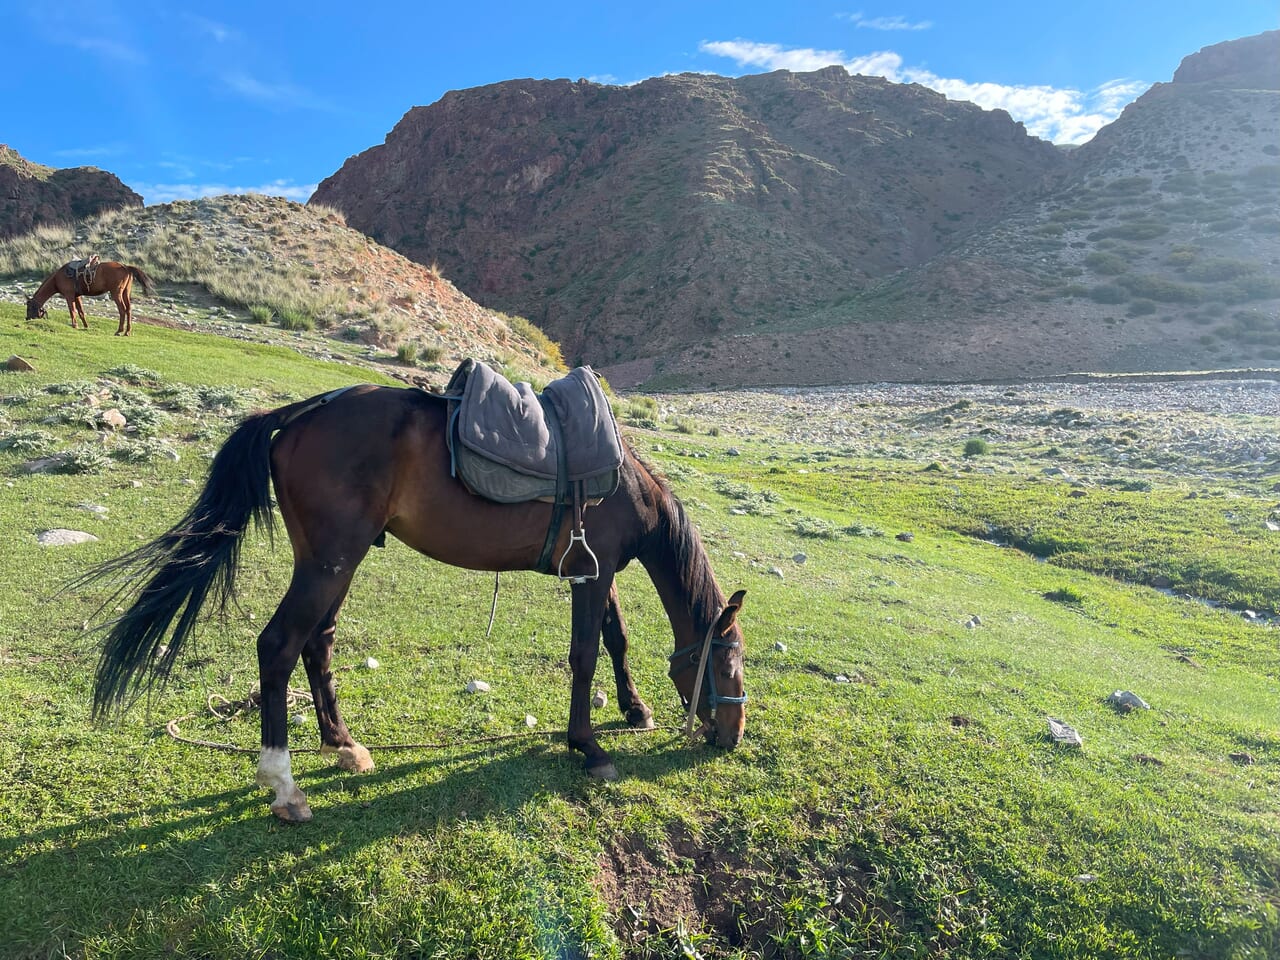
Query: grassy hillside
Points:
[916, 809]
[283, 269]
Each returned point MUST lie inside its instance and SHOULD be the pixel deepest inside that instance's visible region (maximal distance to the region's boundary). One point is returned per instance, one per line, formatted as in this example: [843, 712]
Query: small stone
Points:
[298, 719]
[1273, 527]
[733, 452]
[62, 538]
[1126, 700]
[841, 678]
[136, 484]
[17, 364]
[530, 720]
[1085, 878]
[905, 537]
[776, 572]
[370, 663]
[779, 646]
[1161, 582]
[94, 508]
[44, 464]
[1242, 758]
[477, 686]
[599, 700]
[800, 558]
[1077, 494]
[1063, 734]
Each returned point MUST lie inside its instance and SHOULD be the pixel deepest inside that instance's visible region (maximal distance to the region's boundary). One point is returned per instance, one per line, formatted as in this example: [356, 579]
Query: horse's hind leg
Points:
[614, 629]
[313, 593]
[122, 307]
[334, 735]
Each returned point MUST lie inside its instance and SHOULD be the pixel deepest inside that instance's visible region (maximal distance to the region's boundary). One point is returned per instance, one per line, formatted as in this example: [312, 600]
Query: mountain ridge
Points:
[821, 228]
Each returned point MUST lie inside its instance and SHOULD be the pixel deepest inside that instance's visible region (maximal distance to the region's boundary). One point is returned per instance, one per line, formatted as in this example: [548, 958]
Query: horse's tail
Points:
[198, 554]
[148, 286]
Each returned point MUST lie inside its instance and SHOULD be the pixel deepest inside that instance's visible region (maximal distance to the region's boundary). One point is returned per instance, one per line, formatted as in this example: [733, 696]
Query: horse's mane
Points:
[677, 535]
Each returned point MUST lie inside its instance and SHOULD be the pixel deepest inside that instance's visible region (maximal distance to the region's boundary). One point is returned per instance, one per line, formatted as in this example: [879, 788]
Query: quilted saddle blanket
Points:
[510, 444]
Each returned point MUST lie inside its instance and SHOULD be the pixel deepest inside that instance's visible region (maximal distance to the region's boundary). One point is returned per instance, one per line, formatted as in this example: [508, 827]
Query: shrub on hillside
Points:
[1159, 289]
[293, 319]
[1220, 268]
[1108, 264]
[1108, 293]
[975, 447]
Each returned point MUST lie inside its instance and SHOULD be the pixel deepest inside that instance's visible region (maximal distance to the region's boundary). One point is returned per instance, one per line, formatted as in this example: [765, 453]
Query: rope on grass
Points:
[226, 710]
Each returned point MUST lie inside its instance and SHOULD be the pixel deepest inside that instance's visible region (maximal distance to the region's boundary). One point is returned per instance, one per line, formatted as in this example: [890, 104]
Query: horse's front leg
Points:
[589, 601]
[633, 708]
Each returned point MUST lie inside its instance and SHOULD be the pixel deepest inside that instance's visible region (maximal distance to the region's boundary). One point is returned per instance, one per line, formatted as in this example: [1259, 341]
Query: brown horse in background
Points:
[362, 462]
[110, 277]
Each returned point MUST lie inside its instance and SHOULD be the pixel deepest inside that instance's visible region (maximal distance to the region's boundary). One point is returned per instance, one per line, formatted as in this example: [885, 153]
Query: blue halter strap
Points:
[713, 695]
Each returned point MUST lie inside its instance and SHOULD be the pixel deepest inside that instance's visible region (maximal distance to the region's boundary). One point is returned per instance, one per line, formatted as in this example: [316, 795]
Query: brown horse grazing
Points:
[356, 463]
[110, 277]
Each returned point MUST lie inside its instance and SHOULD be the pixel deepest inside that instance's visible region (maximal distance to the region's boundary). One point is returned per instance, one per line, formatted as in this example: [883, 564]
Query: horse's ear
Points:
[729, 616]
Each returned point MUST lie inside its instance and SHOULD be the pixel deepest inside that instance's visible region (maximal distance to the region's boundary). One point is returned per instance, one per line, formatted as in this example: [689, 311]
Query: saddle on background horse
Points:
[510, 444]
[83, 272]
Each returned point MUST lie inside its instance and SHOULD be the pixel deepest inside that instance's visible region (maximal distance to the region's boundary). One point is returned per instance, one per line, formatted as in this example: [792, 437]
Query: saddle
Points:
[83, 272]
[511, 445]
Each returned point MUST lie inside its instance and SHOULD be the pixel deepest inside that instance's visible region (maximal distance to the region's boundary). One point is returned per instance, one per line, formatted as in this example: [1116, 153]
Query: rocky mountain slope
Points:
[635, 221]
[268, 268]
[821, 228]
[1158, 249]
[32, 195]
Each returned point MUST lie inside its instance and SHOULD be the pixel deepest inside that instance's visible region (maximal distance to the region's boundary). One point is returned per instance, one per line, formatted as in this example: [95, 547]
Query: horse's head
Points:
[35, 311]
[722, 698]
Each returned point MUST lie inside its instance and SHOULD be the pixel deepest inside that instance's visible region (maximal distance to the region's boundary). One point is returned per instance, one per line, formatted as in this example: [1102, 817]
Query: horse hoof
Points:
[296, 812]
[353, 759]
[640, 718]
[605, 771]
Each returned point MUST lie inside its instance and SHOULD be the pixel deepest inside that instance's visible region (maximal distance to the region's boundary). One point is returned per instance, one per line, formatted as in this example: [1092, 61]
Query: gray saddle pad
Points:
[506, 446]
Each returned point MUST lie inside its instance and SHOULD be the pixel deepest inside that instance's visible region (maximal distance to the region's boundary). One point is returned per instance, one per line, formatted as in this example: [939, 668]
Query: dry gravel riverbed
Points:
[1191, 427]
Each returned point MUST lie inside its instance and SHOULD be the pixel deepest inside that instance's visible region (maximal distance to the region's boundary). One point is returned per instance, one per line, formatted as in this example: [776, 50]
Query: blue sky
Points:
[273, 97]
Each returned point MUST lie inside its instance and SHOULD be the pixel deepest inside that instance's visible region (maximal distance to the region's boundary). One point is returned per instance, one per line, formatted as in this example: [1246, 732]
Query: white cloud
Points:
[772, 56]
[1059, 114]
[884, 23]
[104, 47]
[273, 94]
[168, 192]
[91, 153]
[220, 32]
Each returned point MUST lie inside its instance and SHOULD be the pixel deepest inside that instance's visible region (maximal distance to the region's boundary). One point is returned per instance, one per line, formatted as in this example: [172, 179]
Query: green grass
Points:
[918, 810]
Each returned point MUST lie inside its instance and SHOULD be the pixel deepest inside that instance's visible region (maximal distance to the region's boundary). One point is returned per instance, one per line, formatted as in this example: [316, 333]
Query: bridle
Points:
[703, 649]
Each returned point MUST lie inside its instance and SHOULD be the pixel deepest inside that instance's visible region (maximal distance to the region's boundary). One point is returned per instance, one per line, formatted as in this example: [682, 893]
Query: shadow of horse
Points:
[188, 874]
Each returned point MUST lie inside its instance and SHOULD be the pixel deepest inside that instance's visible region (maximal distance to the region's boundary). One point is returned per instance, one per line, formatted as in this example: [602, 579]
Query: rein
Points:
[714, 697]
[226, 710]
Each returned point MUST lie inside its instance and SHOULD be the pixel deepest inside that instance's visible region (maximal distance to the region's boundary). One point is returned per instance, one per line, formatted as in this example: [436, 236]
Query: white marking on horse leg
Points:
[276, 773]
[354, 758]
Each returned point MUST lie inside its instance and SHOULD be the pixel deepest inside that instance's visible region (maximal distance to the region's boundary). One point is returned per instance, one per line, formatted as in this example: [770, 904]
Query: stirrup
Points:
[578, 536]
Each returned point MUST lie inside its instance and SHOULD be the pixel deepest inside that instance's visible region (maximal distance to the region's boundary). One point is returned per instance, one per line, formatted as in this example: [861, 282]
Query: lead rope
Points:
[697, 684]
[493, 607]
[226, 710]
